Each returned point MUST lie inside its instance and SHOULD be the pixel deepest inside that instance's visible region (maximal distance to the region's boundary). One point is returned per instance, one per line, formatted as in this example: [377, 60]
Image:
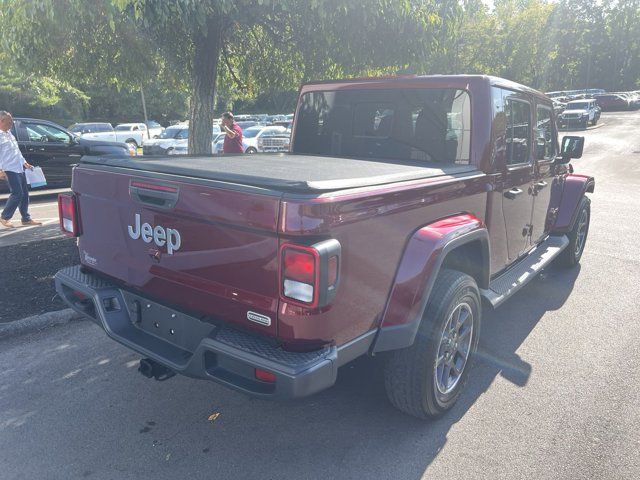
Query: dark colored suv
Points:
[55, 149]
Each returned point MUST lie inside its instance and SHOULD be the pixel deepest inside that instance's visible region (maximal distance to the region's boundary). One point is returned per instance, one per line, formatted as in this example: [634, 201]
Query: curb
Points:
[37, 323]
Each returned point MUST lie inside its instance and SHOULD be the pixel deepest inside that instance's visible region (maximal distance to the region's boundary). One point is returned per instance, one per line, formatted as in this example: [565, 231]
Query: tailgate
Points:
[201, 246]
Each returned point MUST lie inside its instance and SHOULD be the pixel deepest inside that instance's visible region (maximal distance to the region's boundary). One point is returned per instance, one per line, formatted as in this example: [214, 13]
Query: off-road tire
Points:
[410, 373]
[571, 255]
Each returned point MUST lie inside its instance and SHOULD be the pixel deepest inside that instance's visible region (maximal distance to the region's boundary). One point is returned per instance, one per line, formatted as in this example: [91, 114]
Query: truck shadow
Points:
[361, 384]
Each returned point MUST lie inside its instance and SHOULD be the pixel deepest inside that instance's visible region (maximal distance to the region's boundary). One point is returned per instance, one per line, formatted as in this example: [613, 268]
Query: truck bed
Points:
[287, 171]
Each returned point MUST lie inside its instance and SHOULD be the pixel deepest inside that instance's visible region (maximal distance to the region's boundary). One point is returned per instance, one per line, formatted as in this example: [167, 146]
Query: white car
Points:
[155, 129]
[253, 139]
[172, 136]
[132, 133]
[181, 147]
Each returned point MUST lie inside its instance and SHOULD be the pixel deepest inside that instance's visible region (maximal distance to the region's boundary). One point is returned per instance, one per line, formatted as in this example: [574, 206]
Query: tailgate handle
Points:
[152, 195]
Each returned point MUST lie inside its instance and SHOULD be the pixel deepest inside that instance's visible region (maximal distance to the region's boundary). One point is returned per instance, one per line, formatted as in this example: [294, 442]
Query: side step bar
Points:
[502, 287]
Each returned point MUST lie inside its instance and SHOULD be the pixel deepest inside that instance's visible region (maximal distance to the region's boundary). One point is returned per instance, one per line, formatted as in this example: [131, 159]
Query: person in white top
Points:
[12, 165]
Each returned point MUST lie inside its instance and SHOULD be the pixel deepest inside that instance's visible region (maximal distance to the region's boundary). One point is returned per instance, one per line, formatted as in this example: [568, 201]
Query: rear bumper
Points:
[199, 349]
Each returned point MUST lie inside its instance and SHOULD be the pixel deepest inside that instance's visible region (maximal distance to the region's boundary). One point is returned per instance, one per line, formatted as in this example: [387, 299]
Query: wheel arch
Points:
[574, 188]
[460, 243]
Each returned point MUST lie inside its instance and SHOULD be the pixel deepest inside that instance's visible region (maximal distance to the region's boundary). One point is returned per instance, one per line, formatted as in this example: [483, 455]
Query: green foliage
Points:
[71, 60]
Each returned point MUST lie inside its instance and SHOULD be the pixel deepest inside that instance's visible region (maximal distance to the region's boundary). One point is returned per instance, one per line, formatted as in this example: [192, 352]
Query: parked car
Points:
[579, 113]
[181, 147]
[274, 141]
[56, 150]
[154, 129]
[377, 234]
[132, 133]
[247, 124]
[558, 107]
[167, 139]
[611, 101]
[90, 129]
[172, 141]
[252, 136]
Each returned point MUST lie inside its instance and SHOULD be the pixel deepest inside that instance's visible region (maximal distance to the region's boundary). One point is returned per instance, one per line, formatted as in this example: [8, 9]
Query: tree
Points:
[341, 37]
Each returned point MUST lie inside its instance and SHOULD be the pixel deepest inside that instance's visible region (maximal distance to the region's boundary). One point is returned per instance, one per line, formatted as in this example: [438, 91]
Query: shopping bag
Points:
[35, 177]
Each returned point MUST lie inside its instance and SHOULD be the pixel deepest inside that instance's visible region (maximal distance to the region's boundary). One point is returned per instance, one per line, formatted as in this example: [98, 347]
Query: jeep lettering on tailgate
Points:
[158, 234]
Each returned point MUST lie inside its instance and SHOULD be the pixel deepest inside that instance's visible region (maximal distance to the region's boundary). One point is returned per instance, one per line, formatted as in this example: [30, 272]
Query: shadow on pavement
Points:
[121, 422]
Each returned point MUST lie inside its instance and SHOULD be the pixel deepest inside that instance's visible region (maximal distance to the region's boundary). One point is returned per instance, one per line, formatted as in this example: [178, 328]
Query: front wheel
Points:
[132, 143]
[426, 379]
[251, 150]
[571, 255]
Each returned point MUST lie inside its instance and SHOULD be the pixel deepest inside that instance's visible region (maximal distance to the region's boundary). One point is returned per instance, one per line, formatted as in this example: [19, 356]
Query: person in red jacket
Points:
[233, 137]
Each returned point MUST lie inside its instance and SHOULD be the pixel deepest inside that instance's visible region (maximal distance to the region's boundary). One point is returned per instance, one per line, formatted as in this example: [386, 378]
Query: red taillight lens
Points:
[300, 266]
[68, 213]
[299, 273]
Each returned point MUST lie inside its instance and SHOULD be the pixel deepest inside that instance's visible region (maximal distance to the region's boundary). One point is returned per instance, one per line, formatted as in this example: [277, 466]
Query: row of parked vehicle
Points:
[133, 134]
[261, 133]
[580, 108]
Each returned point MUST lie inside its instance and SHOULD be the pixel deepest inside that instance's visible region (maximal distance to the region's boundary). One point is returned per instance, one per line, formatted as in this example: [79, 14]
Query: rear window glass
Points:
[428, 124]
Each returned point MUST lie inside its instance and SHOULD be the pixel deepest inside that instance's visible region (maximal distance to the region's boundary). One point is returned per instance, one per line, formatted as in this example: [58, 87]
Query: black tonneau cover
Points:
[287, 171]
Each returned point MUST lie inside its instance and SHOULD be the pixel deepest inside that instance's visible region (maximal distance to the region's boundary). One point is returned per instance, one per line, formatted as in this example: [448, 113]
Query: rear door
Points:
[52, 149]
[518, 172]
[207, 248]
[545, 153]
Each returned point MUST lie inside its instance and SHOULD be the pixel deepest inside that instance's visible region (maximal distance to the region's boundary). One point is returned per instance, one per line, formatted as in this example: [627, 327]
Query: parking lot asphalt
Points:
[554, 392]
[29, 257]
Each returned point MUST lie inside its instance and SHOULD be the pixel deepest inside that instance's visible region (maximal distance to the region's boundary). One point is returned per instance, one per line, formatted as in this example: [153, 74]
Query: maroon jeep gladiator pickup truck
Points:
[403, 204]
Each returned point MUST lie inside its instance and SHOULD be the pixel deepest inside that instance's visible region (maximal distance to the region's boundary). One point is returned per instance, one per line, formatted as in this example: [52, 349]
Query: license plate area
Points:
[165, 323]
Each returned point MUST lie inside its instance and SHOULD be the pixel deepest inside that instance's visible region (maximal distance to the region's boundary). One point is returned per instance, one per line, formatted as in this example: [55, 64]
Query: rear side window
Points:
[518, 114]
[545, 140]
[424, 125]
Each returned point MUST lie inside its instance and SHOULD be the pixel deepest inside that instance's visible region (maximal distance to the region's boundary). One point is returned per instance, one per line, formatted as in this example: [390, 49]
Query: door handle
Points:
[513, 193]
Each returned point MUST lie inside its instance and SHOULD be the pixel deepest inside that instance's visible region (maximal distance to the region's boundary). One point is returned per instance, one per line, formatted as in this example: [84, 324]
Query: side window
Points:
[38, 132]
[545, 140]
[518, 114]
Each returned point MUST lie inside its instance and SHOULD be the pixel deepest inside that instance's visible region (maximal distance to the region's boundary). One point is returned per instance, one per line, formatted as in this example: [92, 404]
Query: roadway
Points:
[554, 393]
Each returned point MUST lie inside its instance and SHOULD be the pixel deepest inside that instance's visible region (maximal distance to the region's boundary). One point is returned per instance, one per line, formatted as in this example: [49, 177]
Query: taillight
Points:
[68, 213]
[300, 273]
[309, 274]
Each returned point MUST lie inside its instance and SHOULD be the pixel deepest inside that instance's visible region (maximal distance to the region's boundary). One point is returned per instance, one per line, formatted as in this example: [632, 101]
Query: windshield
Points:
[423, 125]
[173, 132]
[251, 132]
[578, 106]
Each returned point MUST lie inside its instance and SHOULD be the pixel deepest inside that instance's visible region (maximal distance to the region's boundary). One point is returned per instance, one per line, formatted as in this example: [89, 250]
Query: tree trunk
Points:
[204, 71]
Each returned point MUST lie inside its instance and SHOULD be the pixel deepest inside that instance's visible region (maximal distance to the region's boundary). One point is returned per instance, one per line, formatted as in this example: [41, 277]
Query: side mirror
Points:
[571, 148]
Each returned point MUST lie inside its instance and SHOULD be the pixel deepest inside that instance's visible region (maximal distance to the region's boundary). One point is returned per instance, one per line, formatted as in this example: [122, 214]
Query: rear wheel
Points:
[132, 143]
[426, 379]
[571, 255]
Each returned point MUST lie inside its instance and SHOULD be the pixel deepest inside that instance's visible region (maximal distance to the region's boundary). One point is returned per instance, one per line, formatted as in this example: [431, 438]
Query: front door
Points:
[519, 173]
[50, 148]
[545, 152]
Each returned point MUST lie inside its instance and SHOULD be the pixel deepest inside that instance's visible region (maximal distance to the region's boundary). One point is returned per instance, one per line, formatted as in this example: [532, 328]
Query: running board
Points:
[502, 287]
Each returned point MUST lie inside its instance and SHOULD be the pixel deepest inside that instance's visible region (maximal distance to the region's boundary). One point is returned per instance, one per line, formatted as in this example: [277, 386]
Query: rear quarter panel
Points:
[373, 227]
